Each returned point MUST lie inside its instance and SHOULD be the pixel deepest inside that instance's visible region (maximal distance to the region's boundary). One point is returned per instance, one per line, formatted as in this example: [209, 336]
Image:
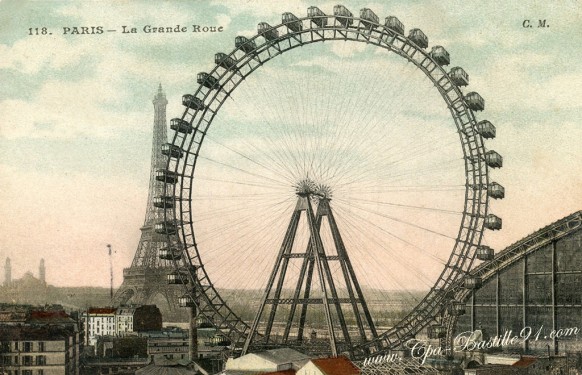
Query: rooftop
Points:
[336, 366]
[171, 367]
[126, 311]
[48, 333]
[38, 316]
[12, 316]
[101, 310]
[525, 361]
[283, 355]
[284, 372]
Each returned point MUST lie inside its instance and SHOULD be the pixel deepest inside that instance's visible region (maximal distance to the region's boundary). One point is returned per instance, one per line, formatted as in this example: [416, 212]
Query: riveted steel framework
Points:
[231, 72]
[146, 277]
[489, 271]
[314, 257]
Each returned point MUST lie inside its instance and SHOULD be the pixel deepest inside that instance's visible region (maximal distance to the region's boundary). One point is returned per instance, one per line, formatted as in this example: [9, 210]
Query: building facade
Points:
[122, 321]
[35, 341]
[173, 343]
[99, 322]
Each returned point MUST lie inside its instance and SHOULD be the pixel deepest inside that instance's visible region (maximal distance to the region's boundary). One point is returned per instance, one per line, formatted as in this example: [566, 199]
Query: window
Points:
[27, 347]
[40, 372]
[41, 346]
[40, 360]
[27, 360]
[26, 372]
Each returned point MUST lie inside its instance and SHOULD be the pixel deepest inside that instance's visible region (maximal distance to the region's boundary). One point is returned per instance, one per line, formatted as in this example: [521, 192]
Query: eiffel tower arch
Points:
[145, 280]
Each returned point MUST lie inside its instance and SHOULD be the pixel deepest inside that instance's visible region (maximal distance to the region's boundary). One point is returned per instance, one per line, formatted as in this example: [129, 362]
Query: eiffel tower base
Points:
[148, 286]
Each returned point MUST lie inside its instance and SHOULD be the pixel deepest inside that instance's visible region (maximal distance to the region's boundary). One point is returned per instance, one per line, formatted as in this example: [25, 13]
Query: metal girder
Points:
[510, 256]
[311, 301]
[314, 259]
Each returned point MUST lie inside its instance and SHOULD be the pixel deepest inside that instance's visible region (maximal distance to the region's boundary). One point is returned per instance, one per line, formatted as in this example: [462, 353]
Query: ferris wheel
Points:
[384, 133]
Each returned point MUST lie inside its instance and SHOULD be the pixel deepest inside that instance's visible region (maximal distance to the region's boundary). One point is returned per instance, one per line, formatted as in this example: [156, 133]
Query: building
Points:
[8, 317]
[28, 289]
[329, 366]
[169, 343]
[121, 347]
[122, 321]
[99, 321]
[531, 290]
[164, 349]
[522, 365]
[137, 319]
[173, 343]
[400, 366]
[275, 360]
[147, 318]
[39, 342]
[117, 355]
[119, 366]
[169, 367]
[285, 361]
[44, 350]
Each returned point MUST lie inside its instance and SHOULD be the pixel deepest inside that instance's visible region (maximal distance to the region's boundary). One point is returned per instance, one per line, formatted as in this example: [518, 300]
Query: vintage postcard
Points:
[395, 182]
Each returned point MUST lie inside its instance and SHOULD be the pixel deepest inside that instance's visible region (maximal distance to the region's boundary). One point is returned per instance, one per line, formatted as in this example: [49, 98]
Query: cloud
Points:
[128, 13]
[528, 81]
[267, 10]
[65, 110]
[31, 55]
[347, 49]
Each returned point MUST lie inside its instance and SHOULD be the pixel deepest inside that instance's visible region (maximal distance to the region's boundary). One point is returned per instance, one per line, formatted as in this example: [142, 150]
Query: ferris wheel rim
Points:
[476, 181]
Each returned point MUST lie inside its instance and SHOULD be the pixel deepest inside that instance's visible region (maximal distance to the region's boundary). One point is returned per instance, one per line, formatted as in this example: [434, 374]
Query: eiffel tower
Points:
[341, 298]
[145, 281]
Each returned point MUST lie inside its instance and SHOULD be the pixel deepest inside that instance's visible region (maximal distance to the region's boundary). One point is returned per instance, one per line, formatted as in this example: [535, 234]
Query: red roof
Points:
[336, 366]
[285, 372]
[40, 314]
[525, 361]
[102, 310]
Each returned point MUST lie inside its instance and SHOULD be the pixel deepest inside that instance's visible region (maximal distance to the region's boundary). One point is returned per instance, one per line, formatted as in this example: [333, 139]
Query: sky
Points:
[76, 114]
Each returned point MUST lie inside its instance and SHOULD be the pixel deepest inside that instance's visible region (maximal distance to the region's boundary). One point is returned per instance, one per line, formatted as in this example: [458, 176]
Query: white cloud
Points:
[267, 10]
[347, 49]
[73, 106]
[30, 55]
[65, 110]
[509, 84]
[128, 13]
